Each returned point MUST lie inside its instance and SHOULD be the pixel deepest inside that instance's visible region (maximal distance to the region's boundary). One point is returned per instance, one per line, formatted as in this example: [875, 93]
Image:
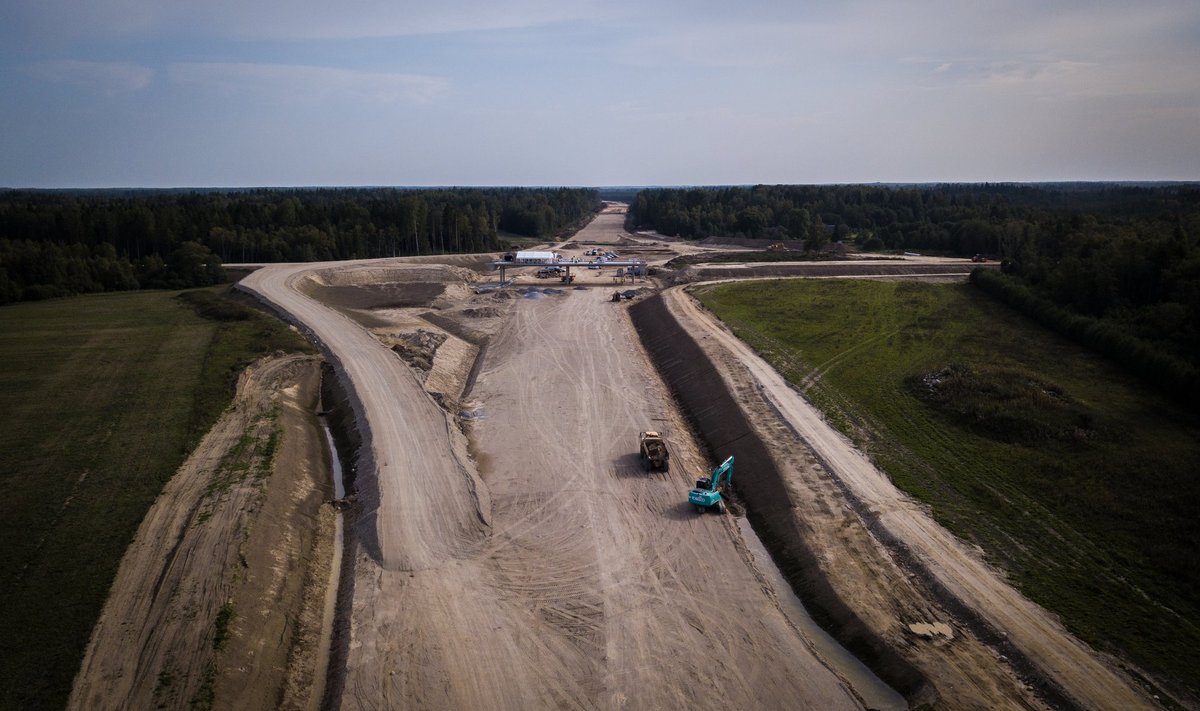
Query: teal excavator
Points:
[707, 494]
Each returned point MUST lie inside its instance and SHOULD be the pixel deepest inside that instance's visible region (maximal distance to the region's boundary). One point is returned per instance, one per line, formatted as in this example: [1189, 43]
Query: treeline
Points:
[55, 243]
[962, 219]
[31, 270]
[1128, 256]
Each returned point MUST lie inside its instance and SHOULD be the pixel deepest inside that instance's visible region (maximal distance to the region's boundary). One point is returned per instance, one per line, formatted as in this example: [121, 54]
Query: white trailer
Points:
[537, 257]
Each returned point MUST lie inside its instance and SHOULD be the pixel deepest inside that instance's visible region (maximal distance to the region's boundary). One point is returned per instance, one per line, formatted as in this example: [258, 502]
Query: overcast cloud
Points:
[371, 92]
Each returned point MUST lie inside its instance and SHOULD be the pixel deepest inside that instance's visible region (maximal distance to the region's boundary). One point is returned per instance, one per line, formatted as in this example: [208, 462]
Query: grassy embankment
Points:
[101, 399]
[1075, 479]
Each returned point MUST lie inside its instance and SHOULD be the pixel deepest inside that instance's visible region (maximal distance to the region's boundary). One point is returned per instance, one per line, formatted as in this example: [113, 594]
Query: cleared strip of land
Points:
[506, 549]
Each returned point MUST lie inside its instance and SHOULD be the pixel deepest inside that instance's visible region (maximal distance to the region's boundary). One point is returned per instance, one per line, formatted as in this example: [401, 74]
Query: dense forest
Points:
[1125, 256]
[55, 243]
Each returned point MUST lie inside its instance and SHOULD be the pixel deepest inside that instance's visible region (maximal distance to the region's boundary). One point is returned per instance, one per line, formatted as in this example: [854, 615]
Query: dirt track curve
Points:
[559, 575]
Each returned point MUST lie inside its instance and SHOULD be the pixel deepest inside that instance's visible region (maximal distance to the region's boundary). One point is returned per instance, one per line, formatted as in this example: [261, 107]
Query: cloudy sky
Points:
[161, 93]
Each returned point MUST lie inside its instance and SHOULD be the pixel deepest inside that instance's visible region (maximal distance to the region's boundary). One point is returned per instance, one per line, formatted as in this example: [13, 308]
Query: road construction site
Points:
[508, 548]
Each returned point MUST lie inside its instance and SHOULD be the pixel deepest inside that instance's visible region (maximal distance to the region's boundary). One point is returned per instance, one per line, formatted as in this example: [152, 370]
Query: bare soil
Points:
[506, 550]
[550, 571]
[378, 296]
[225, 533]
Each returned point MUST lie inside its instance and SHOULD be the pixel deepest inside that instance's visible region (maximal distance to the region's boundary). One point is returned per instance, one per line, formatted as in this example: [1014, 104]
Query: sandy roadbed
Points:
[556, 574]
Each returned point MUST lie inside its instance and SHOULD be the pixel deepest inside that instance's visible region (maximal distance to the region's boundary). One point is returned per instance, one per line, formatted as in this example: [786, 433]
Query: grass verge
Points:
[101, 399]
[1075, 480]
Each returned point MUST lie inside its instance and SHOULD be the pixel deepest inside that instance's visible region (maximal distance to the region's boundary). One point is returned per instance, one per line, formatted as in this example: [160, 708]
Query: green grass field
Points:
[1074, 478]
[101, 399]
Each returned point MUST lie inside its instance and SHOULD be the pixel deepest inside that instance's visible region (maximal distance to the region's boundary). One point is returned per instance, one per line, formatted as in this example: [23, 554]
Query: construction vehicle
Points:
[707, 494]
[654, 450]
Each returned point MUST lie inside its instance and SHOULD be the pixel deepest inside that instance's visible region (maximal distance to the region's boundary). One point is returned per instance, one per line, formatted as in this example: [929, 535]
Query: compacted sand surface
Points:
[556, 573]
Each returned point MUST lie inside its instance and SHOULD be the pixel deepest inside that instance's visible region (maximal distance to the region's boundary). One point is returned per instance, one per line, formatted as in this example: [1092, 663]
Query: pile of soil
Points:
[482, 312]
[418, 348]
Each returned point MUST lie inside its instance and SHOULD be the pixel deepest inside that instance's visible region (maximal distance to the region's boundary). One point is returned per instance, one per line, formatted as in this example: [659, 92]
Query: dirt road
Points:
[530, 563]
[420, 502]
[509, 552]
[563, 576]
[1071, 666]
[651, 605]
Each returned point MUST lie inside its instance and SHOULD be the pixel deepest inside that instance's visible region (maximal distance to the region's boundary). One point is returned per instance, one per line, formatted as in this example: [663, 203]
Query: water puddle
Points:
[874, 692]
[472, 414]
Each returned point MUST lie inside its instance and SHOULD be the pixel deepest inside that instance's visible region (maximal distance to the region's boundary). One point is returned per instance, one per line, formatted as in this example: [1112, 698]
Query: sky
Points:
[191, 93]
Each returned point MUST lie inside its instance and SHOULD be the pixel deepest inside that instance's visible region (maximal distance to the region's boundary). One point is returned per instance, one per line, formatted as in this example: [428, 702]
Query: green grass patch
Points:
[253, 455]
[101, 399]
[225, 617]
[206, 695]
[1074, 478]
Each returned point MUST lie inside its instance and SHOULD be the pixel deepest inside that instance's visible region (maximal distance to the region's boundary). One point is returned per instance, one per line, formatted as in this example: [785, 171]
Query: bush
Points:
[872, 244]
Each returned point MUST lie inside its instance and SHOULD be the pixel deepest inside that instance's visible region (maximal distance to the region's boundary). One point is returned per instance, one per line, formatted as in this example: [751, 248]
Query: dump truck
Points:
[653, 450]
